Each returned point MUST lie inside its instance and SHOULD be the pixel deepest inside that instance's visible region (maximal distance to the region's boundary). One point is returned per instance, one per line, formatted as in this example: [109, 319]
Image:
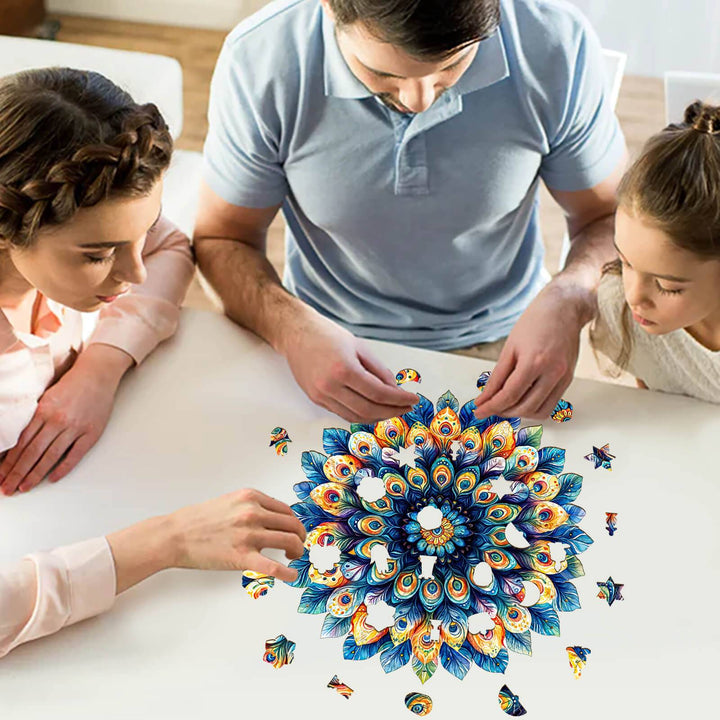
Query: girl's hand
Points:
[227, 533]
[68, 421]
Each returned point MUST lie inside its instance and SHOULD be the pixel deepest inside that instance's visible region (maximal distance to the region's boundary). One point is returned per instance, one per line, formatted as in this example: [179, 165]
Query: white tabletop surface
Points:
[194, 421]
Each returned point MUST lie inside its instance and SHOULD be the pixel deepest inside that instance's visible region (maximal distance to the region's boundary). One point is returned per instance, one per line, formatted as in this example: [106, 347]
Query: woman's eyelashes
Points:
[99, 258]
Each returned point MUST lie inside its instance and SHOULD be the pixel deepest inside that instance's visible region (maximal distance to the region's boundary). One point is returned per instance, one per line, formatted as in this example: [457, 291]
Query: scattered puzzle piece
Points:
[418, 703]
[610, 591]
[611, 523]
[601, 457]
[482, 380]
[257, 584]
[578, 657]
[279, 438]
[510, 703]
[563, 412]
[407, 375]
[340, 687]
[279, 651]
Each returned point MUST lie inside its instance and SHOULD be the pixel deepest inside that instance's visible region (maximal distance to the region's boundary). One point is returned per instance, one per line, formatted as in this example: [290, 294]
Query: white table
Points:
[194, 422]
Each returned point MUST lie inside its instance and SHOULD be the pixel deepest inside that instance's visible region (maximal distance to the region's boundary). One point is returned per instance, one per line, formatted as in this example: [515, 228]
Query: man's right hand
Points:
[337, 371]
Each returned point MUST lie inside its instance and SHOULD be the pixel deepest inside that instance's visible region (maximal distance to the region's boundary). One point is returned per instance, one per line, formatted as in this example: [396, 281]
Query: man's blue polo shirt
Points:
[417, 229]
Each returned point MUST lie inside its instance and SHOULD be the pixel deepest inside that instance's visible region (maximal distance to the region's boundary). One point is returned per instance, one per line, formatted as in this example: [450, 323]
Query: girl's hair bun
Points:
[703, 118]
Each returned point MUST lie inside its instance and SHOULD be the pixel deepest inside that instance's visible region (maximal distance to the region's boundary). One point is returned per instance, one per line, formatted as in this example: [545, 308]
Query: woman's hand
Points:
[69, 419]
[227, 533]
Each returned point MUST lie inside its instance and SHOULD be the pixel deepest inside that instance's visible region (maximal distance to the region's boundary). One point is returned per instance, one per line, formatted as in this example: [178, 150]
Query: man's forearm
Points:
[249, 288]
[590, 250]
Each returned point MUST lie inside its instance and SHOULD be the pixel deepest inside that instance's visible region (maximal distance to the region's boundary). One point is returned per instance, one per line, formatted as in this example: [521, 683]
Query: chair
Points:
[148, 78]
[683, 88]
[615, 63]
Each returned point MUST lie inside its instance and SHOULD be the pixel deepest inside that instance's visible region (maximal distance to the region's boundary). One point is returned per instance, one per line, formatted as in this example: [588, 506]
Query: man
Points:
[405, 142]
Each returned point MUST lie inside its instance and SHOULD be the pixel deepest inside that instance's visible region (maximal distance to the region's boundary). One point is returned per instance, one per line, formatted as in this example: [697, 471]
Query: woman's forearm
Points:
[142, 550]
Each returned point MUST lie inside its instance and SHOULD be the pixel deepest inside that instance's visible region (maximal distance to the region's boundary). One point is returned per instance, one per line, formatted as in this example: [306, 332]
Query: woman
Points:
[81, 230]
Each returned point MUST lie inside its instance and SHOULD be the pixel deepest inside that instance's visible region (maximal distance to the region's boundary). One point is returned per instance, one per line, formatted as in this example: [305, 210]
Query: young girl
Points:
[659, 303]
[81, 169]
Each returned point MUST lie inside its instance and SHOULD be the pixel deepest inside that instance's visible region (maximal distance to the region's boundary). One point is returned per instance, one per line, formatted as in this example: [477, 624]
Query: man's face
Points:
[402, 82]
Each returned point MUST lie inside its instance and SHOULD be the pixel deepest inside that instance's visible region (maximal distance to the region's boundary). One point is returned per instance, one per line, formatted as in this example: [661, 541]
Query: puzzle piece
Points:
[435, 632]
[430, 517]
[610, 591]
[257, 584]
[340, 687]
[601, 457]
[407, 375]
[611, 522]
[578, 657]
[418, 703]
[279, 438]
[510, 703]
[563, 412]
[279, 651]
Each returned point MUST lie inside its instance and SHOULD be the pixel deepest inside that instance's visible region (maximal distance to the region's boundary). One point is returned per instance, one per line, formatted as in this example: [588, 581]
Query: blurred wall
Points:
[213, 14]
[657, 35]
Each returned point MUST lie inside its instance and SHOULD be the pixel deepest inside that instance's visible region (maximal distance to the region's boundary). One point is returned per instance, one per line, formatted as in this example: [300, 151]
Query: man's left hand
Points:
[539, 357]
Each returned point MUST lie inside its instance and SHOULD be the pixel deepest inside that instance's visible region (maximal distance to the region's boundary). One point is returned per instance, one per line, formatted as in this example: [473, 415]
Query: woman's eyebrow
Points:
[118, 242]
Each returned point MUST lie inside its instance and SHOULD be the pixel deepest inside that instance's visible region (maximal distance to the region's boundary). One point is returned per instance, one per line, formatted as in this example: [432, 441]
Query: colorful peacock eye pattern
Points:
[407, 375]
[257, 584]
[279, 651]
[497, 564]
[418, 703]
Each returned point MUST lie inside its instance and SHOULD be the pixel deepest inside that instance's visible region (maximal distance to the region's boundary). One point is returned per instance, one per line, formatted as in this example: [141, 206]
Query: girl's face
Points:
[95, 257]
[666, 287]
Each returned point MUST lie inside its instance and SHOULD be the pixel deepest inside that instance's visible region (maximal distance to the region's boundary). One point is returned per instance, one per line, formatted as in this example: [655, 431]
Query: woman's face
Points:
[667, 288]
[93, 258]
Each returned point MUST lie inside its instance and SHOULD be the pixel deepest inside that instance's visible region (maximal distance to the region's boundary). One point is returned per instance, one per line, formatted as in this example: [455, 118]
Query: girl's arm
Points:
[48, 591]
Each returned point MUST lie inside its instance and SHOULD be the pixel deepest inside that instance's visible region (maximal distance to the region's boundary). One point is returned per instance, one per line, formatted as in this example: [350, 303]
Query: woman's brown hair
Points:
[68, 140]
[675, 186]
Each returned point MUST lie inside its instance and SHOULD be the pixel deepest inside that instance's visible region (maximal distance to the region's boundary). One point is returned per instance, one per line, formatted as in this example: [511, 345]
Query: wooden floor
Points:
[640, 109]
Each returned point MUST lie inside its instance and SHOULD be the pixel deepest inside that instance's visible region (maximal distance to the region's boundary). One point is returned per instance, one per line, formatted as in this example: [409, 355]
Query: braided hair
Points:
[70, 139]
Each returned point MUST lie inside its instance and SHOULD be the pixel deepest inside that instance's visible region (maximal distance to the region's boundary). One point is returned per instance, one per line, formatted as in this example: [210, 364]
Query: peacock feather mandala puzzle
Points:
[495, 566]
